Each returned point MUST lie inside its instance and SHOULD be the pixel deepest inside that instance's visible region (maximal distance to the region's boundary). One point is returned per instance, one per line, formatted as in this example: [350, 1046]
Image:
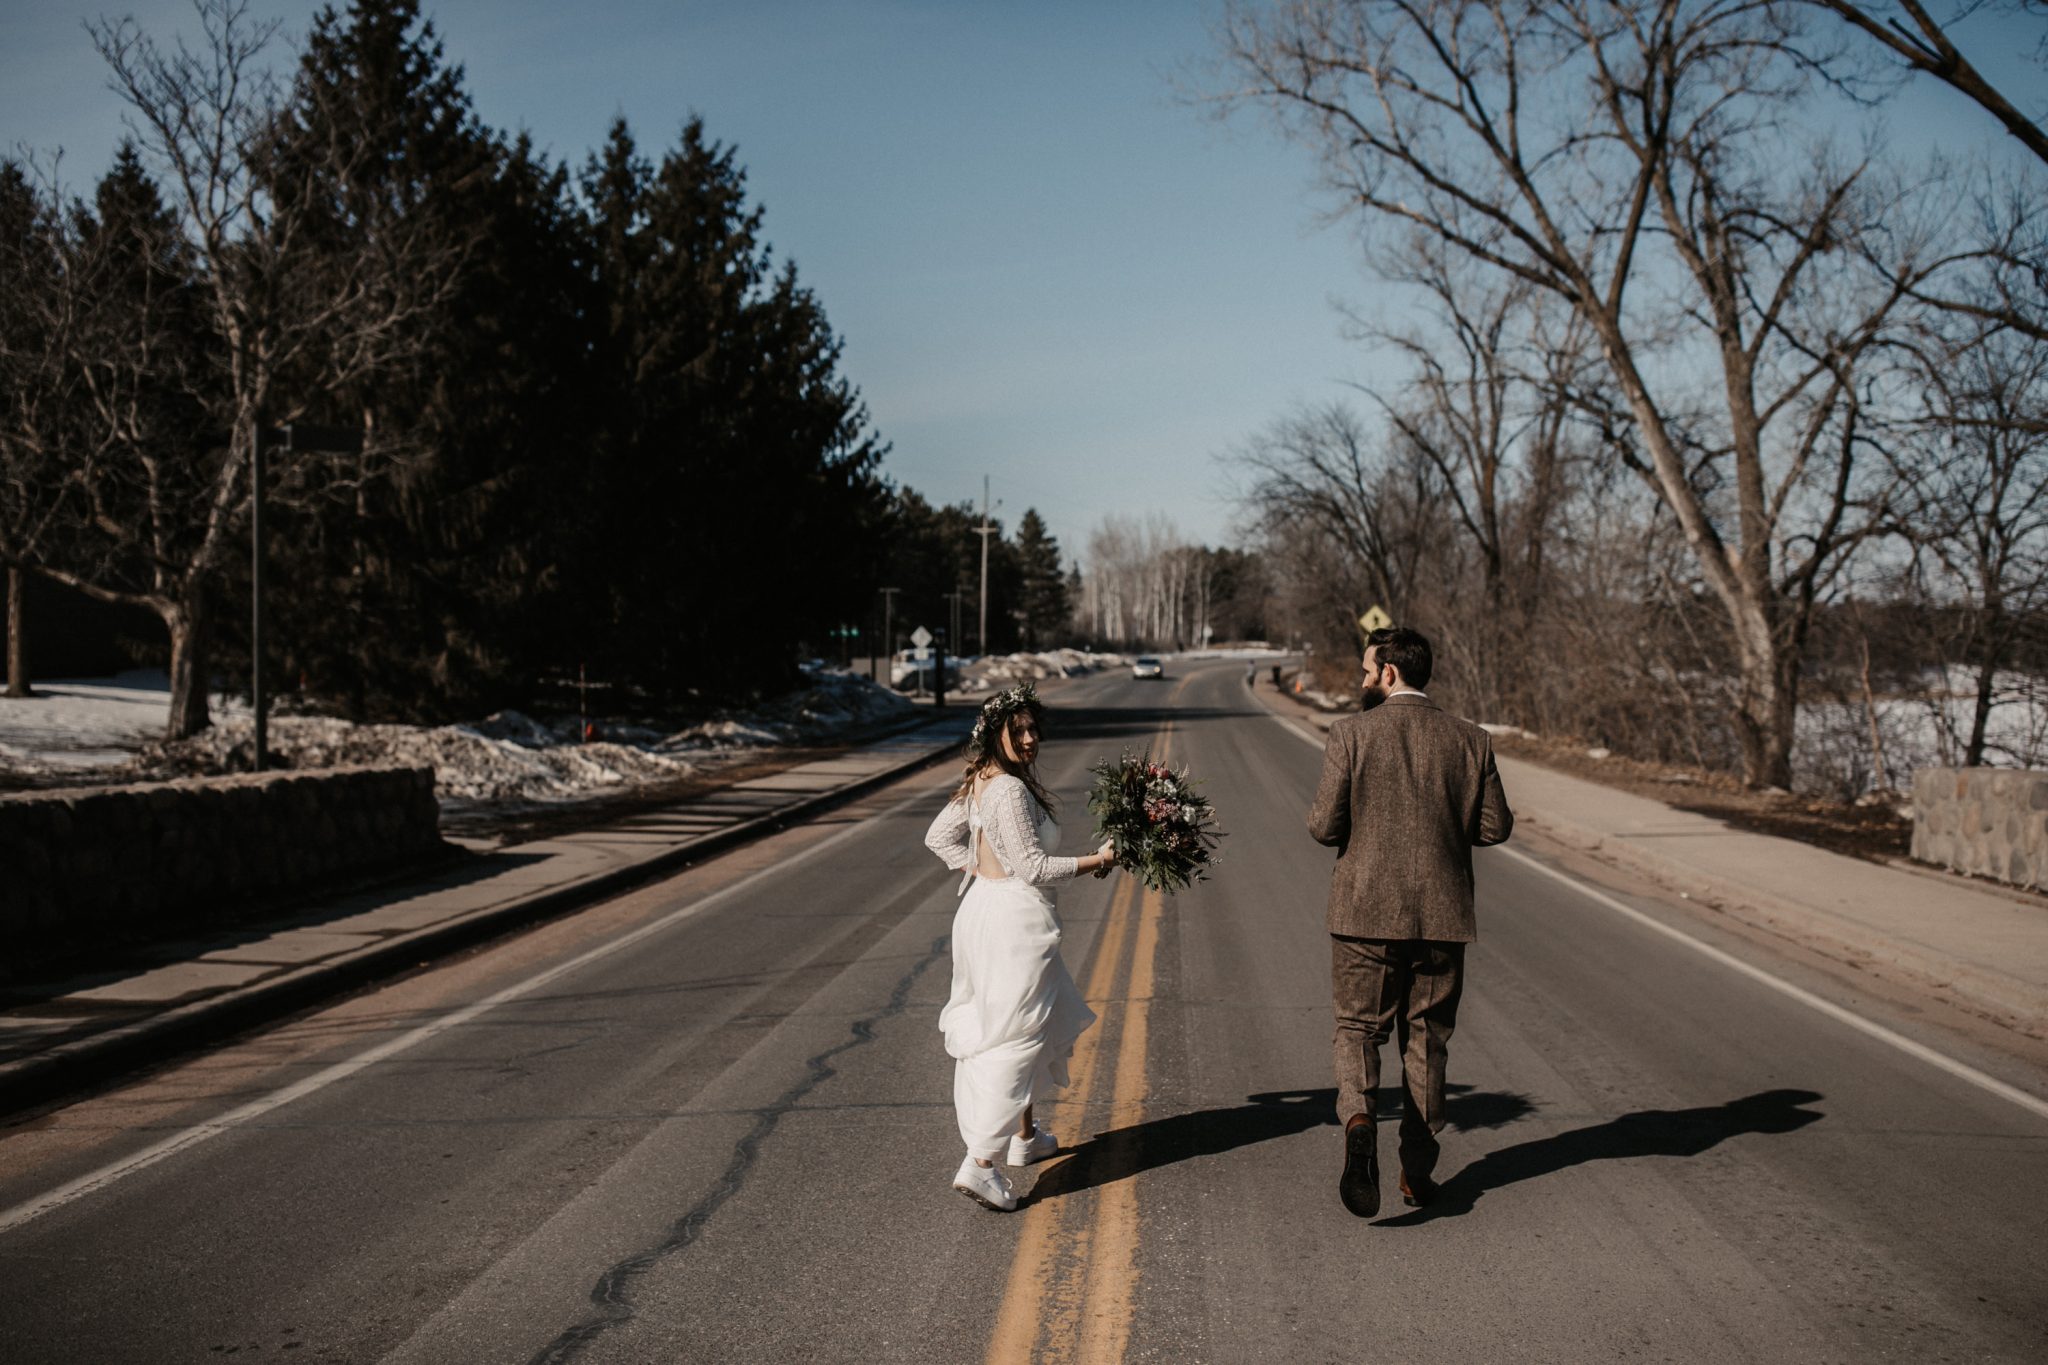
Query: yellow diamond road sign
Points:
[1374, 619]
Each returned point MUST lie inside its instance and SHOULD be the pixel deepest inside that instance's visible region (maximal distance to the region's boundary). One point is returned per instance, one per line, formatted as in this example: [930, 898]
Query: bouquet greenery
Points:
[1165, 831]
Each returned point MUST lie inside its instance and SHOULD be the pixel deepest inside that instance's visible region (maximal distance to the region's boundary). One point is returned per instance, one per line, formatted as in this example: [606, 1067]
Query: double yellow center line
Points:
[1071, 1293]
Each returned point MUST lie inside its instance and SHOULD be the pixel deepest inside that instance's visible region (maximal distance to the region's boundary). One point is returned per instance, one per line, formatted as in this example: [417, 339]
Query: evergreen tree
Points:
[30, 487]
[604, 428]
[1042, 583]
[427, 576]
[934, 551]
[738, 476]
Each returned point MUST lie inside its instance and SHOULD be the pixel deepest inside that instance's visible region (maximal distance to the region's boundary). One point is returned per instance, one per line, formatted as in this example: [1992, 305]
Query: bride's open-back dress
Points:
[1015, 1012]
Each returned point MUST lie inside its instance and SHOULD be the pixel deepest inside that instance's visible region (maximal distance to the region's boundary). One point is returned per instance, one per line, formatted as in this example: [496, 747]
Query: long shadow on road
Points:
[1122, 1153]
[1647, 1132]
[1137, 724]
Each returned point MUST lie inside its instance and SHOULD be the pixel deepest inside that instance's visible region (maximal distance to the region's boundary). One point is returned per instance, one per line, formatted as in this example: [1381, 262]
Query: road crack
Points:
[611, 1296]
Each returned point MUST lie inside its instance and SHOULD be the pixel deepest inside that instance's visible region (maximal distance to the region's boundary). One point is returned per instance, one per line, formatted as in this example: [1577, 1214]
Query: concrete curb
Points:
[2010, 1001]
[76, 1065]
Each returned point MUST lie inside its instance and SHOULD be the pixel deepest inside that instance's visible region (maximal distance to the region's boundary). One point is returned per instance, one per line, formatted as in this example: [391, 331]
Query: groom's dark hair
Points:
[1407, 650]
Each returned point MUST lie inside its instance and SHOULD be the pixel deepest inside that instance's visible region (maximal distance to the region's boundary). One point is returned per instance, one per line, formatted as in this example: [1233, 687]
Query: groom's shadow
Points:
[1122, 1153]
[1647, 1132]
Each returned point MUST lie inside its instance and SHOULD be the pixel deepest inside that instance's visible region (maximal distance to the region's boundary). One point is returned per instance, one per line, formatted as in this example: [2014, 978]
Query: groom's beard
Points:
[1371, 697]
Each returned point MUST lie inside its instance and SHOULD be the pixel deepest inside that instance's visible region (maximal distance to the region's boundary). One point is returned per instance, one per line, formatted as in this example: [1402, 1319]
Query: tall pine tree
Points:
[1042, 583]
[429, 575]
[738, 475]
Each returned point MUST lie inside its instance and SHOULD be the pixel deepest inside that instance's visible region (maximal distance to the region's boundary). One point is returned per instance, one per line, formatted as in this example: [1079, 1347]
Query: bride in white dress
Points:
[1015, 1011]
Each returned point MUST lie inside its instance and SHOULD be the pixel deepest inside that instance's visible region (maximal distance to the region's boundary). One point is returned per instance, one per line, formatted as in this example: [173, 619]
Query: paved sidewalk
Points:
[60, 1034]
[1985, 948]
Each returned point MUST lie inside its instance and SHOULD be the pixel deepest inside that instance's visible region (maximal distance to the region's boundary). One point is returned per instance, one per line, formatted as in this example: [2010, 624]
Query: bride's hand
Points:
[1108, 855]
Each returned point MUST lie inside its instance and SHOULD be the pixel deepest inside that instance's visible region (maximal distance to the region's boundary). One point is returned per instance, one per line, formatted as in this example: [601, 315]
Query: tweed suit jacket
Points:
[1408, 792]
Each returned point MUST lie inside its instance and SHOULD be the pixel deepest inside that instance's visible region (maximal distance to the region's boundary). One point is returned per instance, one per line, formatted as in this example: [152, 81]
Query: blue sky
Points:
[1046, 266]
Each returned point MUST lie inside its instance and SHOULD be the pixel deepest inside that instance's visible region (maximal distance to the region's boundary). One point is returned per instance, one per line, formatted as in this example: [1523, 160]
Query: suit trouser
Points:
[1409, 987]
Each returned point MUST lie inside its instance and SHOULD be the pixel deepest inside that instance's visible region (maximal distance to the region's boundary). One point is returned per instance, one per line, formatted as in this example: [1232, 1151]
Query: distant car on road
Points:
[1148, 667]
[911, 669]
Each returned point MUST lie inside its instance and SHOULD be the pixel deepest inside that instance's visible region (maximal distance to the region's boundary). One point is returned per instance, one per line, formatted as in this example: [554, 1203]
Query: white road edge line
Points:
[106, 1175]
[1960, 1070]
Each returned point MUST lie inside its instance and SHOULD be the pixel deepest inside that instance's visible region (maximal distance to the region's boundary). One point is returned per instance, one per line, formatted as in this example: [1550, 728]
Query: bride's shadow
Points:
[1122, 1153]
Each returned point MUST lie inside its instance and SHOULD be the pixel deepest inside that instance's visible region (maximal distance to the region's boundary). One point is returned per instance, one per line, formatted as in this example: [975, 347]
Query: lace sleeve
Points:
[949, 837]
[1009, 823]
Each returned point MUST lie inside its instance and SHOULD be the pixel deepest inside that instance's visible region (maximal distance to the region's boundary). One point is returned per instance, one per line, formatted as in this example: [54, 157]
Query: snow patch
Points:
[106, 728]
[79, 724]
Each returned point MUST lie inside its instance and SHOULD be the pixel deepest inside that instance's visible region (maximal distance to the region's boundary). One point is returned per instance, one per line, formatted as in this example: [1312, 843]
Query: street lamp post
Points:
[256, 591]
[292, 437]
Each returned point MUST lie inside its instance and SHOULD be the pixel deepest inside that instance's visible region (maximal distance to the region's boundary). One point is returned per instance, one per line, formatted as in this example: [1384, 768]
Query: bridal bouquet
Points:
[1165, 831]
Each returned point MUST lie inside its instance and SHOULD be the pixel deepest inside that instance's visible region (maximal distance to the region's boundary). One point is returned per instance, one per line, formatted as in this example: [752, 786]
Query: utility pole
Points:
[985, 530]
[888, 640]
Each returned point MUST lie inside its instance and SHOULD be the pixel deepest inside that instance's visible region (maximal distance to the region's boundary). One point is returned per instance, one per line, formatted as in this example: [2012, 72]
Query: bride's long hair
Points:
[1000, 761]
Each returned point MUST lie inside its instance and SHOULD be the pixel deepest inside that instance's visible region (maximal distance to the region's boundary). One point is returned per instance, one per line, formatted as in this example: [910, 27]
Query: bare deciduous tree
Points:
[1629, 161]
[1143, 585]
[1978, 518]
[1324, 473]
[1486, 408]
[163, 493]
[1923, 43]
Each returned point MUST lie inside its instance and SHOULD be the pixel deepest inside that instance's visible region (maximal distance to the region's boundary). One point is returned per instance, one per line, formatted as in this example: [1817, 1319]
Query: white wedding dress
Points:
[1015, 1012]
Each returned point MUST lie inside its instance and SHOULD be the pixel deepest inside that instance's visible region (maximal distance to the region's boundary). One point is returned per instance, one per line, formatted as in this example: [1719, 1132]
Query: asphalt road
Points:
[710, 1121]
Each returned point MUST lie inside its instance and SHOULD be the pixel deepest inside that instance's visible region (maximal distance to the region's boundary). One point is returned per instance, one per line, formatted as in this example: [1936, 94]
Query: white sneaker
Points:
[986, 1186]
[1037, 1147]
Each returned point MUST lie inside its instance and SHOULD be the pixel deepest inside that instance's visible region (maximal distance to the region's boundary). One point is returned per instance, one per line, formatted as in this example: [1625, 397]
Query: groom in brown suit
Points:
[1408, 791]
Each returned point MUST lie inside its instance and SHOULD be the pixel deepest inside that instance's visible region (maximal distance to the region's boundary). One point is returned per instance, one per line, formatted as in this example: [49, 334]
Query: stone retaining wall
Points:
[1989, 821]
[163, 856]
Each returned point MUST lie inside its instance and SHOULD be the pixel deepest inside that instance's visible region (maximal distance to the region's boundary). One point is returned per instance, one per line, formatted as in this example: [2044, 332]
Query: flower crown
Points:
[996, 713]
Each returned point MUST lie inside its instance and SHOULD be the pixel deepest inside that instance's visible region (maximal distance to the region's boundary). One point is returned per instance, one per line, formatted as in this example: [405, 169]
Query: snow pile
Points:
[832, 702]
[468, 764]
[1325, 701]
[509, 756]
[1004, 670]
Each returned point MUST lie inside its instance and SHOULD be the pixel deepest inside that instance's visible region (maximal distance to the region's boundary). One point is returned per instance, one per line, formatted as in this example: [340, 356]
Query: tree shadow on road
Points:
[1139, 725]
[1122, 1153]
[1647, 1132]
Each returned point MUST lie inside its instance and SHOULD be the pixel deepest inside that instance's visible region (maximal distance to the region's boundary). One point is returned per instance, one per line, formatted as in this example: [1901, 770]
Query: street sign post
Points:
[1374, 619]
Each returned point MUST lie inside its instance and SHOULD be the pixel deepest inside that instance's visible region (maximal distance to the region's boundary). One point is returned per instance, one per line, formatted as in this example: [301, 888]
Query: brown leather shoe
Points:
[1417, 1190]
[1359, 1186]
